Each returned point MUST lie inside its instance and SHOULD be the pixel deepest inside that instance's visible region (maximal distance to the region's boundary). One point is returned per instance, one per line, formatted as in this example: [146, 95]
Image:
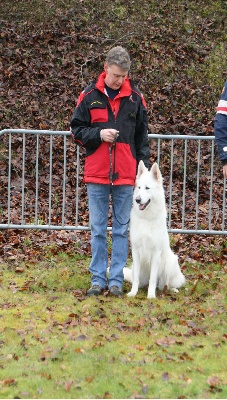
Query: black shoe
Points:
[95, 290]
[116, 291]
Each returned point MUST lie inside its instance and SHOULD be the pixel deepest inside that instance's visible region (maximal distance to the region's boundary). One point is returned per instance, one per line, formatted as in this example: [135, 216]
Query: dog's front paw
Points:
[151, 296]
[131, 294]
[175, 290]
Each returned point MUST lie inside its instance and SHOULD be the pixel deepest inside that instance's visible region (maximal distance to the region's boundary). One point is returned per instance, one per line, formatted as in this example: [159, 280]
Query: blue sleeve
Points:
[220, 126]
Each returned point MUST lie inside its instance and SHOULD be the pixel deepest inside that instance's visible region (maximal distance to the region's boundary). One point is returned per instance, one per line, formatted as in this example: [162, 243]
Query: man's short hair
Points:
[120, 57]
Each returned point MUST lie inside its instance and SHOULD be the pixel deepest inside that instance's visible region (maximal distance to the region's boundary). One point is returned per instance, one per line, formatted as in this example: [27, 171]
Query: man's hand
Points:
[108, 135]
[225, 170]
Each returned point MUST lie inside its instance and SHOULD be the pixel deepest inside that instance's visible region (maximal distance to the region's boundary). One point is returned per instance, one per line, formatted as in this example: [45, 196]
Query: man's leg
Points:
[98, 198]
[122, 204]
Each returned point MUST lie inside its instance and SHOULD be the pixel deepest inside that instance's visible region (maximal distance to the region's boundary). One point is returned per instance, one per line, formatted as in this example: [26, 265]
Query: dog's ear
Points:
[141, 168]
[156, 173]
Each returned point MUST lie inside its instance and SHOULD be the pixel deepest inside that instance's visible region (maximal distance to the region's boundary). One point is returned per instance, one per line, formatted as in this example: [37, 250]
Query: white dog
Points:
[154, 263]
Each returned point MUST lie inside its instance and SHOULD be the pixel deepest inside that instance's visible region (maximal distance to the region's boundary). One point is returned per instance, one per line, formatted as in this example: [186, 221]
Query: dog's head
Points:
[148, 186]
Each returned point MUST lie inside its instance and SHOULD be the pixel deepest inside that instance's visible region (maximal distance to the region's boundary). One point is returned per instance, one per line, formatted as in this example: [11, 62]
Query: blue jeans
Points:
[98, 200]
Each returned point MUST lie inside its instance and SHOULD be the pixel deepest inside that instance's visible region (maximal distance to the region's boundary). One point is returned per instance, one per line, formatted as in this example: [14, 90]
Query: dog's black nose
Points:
[138, 200]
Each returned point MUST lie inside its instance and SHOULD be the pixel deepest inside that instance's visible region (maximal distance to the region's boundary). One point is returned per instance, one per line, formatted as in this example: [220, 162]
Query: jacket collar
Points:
[125, 90]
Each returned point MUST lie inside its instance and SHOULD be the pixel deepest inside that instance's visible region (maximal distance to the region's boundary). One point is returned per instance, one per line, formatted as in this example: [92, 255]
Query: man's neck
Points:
[112, 93]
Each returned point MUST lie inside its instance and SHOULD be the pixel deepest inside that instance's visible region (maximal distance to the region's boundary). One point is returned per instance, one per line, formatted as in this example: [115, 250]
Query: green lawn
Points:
[57, 343]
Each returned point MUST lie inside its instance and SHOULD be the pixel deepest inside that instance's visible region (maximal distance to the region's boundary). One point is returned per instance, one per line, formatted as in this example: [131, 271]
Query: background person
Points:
[220, 129]
[110, 121]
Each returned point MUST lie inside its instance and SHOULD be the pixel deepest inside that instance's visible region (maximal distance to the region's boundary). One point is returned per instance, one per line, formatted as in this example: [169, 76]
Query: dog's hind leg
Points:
[127, 274]
[135, 274]
[155, 265]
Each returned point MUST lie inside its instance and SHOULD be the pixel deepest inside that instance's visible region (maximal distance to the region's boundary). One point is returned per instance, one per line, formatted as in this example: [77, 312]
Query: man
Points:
[110, 121]
[220, 129]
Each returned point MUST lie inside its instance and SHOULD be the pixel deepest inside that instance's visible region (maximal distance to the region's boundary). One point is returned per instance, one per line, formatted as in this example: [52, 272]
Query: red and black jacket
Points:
[127, 113]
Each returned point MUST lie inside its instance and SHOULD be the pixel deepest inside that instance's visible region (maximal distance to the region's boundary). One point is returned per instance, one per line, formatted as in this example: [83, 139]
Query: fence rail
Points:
[41, 182]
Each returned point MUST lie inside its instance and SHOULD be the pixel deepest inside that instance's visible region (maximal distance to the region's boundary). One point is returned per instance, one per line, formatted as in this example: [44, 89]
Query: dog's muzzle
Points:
[142, 206]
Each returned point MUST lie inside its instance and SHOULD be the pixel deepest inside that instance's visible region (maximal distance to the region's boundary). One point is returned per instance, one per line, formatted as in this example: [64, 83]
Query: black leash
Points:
[113, 176]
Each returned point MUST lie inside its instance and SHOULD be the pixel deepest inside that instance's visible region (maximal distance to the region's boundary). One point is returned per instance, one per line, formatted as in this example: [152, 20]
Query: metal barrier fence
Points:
[41, 183]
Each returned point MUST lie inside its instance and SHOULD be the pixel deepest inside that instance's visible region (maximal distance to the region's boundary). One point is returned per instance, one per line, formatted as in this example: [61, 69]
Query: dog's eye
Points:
[147, 188]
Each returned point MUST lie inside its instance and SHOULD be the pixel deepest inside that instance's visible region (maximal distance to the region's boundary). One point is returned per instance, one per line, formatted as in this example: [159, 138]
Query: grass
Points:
[54, 341]
[212, 69]
[57, 343]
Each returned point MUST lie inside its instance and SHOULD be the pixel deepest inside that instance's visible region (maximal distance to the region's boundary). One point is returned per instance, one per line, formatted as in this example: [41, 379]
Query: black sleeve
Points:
[80, 125]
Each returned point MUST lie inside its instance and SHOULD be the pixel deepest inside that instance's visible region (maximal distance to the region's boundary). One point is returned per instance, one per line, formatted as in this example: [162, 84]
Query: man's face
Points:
[115, 76]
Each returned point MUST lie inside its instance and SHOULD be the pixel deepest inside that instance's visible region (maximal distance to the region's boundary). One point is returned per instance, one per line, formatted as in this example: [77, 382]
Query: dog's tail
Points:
[178, 280]
[176, 277]
[127, 274]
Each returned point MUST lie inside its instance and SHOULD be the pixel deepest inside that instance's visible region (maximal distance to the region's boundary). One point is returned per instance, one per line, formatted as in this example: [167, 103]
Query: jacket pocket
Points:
[98, 112]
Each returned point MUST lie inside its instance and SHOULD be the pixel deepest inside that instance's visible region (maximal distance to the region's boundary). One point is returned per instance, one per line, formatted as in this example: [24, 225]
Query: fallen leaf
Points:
[19, 270]
[166, 342]
[8, 382]
[165, 376]
[68, 385]
[81, 337]
[79, 350]
[89, 379]
[145, 389]
[138, 347]
[213, 381]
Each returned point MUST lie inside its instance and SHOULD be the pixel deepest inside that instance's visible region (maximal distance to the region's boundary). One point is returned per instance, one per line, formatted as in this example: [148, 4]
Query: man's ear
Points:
[105, 67]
